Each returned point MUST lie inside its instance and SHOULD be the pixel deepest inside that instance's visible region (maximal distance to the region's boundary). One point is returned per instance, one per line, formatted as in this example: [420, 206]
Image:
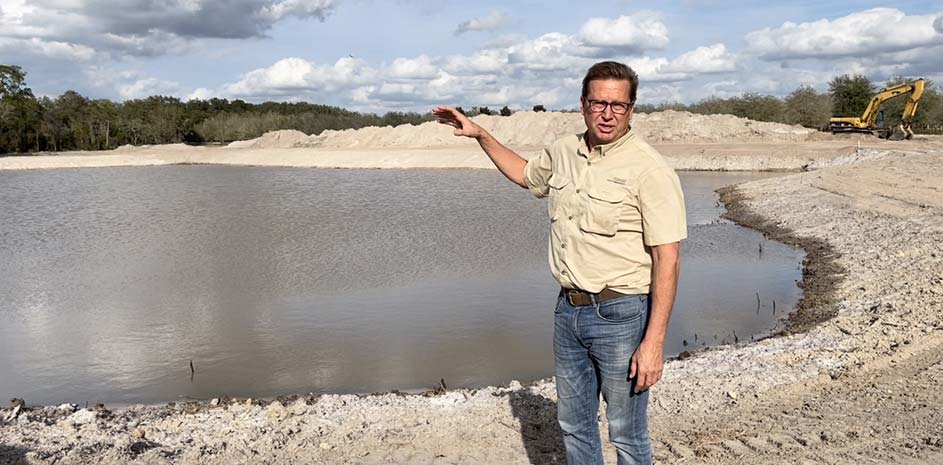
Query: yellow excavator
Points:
[872, 119]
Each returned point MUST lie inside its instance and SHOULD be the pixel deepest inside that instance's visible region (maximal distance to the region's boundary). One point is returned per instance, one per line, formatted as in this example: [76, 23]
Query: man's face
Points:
[607, 125]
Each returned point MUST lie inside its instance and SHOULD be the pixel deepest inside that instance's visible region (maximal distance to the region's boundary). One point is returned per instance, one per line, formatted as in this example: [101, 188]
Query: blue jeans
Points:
[592, 348]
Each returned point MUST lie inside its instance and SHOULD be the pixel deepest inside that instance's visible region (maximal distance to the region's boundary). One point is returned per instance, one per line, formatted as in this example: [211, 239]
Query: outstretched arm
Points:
[509, 163]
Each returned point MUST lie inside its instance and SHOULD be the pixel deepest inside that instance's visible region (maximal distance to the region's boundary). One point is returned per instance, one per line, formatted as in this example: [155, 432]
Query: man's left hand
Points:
[647, 364]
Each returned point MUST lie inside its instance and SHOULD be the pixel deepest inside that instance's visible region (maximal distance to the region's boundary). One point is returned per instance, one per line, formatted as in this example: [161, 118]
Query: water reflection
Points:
[278, 280]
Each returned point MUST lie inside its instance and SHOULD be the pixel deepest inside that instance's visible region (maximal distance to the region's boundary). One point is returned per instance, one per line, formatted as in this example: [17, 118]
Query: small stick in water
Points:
[192, 371]
[774, 306]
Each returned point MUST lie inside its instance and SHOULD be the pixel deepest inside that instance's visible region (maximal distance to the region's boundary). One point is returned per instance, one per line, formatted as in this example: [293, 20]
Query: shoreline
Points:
[867, 336]
[821, 272]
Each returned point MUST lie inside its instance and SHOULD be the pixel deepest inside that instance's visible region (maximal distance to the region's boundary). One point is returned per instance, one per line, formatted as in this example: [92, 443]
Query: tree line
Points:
[74, 122]
[847, 96]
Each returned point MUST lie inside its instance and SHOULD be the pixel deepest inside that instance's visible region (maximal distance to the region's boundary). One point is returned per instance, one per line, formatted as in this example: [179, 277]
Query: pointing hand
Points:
[463, 126]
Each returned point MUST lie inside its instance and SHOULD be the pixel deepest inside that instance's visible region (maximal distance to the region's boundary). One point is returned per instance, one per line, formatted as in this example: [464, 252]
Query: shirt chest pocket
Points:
[604, 209]
[559, 186]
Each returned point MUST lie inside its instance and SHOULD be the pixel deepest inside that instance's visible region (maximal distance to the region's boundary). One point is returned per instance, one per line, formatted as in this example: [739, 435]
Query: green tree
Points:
[758, 107]
[930, 111]
[484, 111]
[712, 106]
[505, 111]
[850, 94]
[20, 112]
[538, 108]
[72, 113]
[13, 82]
[807, 107]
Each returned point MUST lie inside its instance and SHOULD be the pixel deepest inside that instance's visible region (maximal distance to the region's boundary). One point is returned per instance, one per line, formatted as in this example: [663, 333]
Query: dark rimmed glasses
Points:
[599, 106]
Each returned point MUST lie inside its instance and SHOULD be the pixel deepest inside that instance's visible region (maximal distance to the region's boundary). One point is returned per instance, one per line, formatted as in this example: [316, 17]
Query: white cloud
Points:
[148, 87]
[630, 34]
[548, 97]
[550, 52]
[703, 60]
[938, 24]
[495, 20]
[653, 69]
[420, 67]
[660, 93]
[361, 95]
[152, 44]
[148, 27]
[300, 8]
[489, 61]
[527, 71]
[295, 75]
[48, 48]
[860, 34]
[200, 93]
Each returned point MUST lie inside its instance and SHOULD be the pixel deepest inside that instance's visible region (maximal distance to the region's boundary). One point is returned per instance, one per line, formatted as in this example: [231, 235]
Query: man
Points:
[616, 221]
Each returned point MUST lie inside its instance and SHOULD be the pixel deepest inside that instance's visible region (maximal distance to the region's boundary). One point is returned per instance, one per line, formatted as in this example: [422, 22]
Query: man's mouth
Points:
[607, 128]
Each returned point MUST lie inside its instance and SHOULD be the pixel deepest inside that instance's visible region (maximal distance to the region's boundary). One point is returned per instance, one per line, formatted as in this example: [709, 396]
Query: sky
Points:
[410, 55]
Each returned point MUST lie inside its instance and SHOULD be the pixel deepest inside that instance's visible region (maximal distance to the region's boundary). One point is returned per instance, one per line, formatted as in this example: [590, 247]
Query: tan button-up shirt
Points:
[607, 207]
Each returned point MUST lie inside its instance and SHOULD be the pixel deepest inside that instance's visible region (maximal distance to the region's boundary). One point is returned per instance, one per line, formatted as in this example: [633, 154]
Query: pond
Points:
[280, 280]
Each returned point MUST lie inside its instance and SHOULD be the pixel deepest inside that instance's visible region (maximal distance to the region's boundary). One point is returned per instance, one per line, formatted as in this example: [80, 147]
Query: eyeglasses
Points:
[599, 106]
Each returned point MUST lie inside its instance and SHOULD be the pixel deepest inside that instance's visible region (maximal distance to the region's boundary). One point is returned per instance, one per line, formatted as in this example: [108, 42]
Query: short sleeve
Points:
[537, 173]
[661, 204]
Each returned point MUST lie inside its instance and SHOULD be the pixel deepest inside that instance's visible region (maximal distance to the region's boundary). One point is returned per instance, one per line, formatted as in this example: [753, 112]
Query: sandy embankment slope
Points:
[689, 142]
[865, 386]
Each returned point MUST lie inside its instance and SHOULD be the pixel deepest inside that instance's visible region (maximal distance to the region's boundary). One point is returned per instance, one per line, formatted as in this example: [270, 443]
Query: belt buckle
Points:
[570, 293]
[573, 293]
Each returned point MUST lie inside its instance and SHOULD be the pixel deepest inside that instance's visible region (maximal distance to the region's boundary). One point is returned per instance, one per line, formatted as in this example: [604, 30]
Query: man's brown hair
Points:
[611, 70]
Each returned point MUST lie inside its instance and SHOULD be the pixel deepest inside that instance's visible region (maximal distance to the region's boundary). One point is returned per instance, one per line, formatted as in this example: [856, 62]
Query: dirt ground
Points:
[855, 377]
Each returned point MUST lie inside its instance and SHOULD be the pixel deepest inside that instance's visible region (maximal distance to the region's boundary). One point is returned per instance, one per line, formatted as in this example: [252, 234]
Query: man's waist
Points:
[579, 297]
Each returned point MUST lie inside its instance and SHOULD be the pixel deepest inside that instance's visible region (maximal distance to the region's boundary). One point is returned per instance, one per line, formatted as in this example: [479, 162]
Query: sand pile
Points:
[682, 126]
[283, 139]
[530, 129]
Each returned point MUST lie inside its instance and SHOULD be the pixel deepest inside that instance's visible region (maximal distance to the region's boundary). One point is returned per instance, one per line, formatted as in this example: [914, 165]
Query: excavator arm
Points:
[911, 108]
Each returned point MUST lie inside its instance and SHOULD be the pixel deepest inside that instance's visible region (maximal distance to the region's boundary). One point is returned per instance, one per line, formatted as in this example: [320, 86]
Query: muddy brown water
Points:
[280, 280]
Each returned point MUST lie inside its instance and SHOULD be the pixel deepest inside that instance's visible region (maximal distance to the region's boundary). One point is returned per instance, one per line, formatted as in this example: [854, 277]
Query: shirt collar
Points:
[603, 150]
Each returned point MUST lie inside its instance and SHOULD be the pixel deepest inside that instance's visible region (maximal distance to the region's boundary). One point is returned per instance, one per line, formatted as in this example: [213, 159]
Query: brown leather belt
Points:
[579, 298]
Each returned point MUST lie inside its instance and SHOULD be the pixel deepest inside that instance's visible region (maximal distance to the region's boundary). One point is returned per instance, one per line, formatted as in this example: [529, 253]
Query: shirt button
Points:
[563, 272]
[570, 218]
[589, 163]
[577, 191]
[563, 245]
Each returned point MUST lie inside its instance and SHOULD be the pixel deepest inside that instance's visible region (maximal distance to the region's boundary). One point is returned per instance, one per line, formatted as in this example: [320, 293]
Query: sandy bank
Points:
[740, 156]
[864, 385]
